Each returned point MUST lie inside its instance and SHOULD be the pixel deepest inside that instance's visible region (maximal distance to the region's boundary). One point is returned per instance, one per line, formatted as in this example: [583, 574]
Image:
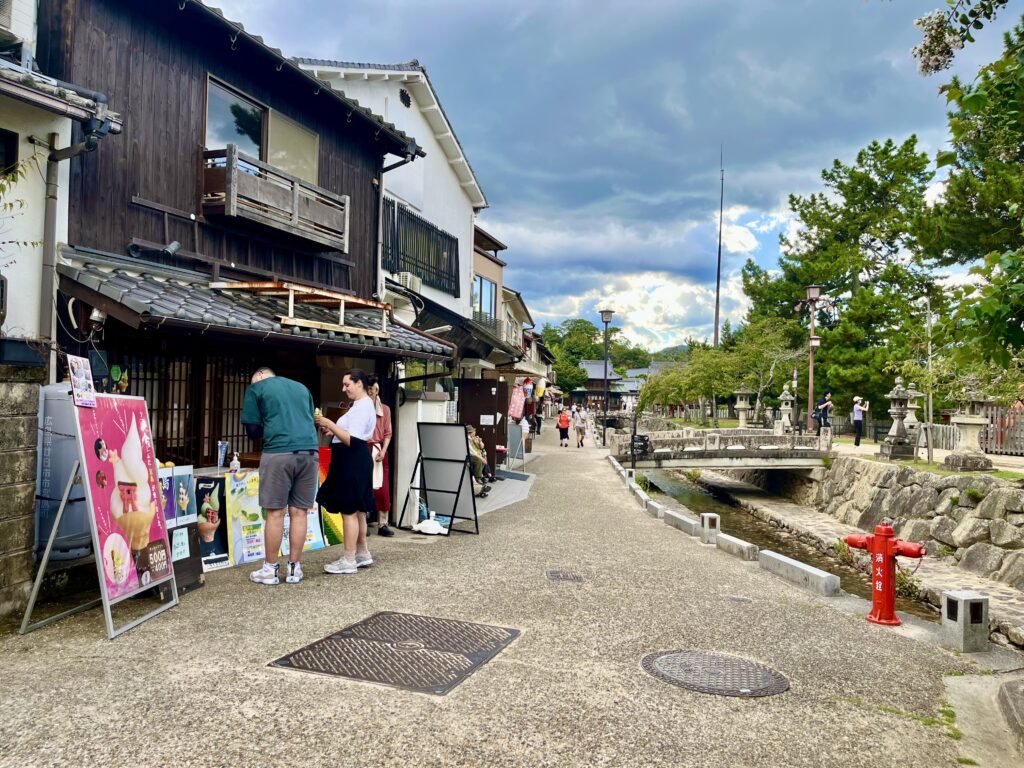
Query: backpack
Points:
[563, 420]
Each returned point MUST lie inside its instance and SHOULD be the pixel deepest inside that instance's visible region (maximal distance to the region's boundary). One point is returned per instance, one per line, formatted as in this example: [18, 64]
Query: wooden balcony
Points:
[240, 186]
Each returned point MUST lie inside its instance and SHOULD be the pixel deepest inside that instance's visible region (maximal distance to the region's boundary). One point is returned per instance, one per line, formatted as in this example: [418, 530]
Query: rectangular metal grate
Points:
[564, 576]
[403, 650]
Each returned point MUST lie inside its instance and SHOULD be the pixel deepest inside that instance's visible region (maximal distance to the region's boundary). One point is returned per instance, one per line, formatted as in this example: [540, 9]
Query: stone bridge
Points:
[726, 449]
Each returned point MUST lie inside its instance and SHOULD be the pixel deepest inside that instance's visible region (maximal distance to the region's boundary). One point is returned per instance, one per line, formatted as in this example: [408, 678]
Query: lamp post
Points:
[813, 294]
[606, 317]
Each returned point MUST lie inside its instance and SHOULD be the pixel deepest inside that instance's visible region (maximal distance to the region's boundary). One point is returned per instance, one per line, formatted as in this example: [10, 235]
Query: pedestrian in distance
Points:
[380, 441]
[280, 411]
[539, 416]
[860, 407]
[564, 422]
[580, 422]
[348, 487]
[825, 406]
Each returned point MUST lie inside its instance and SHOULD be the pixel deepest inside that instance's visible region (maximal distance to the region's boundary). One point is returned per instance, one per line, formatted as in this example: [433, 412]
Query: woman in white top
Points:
[348, 487]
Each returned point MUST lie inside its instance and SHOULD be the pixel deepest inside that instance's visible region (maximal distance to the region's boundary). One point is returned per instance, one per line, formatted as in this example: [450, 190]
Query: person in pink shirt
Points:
[379, 444]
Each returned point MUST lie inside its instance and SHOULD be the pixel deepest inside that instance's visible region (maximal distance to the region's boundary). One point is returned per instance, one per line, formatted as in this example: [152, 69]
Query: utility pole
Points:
[718, 272]
[931, 383]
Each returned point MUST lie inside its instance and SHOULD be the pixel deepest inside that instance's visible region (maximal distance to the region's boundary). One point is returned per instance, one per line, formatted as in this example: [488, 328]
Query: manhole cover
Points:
[403, 650]
[564, 576]
[715, 673]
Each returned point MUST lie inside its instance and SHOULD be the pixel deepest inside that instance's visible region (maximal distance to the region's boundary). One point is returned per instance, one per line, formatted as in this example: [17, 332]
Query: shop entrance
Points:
[481, 401]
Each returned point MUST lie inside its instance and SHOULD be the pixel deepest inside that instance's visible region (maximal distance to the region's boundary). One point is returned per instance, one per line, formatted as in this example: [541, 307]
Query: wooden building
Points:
[236, 221]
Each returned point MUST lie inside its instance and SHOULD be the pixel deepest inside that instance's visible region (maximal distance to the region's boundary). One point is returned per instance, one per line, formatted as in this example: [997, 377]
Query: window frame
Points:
[264, 123]
[478, 290]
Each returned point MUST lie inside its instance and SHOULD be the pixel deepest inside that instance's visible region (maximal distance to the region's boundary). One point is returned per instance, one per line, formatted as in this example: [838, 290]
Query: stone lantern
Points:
[743, 405]
[785, 410]
[968, 455]
[896, 445]
[911, 422]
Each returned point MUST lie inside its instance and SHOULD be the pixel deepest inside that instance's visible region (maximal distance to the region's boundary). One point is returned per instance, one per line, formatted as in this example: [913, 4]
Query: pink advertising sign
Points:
[124, 495]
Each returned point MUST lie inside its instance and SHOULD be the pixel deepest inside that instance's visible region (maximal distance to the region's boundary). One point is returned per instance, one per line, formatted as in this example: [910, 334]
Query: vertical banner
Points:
[165, 476]
[245, 517]
[334, 533]
[516, 403]
[120, 480]
[314, 536]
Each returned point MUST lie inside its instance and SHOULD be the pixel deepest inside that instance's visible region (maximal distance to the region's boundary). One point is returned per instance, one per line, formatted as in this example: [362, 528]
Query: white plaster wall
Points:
[429, 185]
[409, 415]
[23, 21]
[22, 265]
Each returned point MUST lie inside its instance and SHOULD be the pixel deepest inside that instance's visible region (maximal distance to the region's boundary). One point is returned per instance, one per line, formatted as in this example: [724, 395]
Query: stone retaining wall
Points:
[19, 409]
[976, 521]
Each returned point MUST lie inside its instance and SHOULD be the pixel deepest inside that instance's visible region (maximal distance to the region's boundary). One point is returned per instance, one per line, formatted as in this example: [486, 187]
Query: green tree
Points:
[766, 351]
[856, 241]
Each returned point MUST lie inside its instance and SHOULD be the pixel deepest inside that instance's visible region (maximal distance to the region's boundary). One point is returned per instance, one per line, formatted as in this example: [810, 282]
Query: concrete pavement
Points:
[192, 686]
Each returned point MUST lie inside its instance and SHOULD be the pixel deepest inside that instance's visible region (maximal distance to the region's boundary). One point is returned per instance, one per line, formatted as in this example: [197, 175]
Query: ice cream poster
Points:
[124, 494]
[166, 479]
[245, 517]
[82, 389]
[185, 509]
[314, 536]
[212, 523]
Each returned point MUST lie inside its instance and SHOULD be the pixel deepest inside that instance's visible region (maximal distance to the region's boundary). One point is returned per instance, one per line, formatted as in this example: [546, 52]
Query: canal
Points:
[738, 522]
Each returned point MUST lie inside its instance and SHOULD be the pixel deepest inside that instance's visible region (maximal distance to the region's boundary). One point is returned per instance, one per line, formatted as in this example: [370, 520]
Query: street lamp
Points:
[606, 317]
[813, 297]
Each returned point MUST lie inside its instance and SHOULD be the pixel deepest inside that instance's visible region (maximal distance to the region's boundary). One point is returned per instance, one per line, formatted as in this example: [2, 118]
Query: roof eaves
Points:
[398, 137]
[410, 66]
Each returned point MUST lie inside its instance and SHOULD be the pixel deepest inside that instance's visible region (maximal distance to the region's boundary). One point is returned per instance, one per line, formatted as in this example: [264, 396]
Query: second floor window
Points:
[485, 294]
[233, 119]
[261, 133]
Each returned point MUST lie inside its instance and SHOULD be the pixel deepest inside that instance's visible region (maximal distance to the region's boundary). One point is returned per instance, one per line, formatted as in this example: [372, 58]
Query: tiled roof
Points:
[166, 295]
[595, 370]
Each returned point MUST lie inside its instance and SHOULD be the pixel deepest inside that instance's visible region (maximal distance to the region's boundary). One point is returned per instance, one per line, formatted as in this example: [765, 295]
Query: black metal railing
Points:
[413, 244]
[491, 324]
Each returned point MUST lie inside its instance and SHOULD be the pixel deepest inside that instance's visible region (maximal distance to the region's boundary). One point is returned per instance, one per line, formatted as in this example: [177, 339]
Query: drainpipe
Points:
[96, 129]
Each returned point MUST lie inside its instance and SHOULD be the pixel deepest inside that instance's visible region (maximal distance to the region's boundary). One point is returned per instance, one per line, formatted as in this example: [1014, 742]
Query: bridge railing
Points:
[725, 440]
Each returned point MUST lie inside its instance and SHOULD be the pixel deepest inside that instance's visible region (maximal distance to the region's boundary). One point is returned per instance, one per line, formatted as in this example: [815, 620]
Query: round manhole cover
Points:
[715, 673]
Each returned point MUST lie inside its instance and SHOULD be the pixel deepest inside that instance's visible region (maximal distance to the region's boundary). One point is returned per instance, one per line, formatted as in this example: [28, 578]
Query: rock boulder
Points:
[1012, 570]
[918, 531]
[971, 531]
[984, 559]
[942, 529]
[1006, 535]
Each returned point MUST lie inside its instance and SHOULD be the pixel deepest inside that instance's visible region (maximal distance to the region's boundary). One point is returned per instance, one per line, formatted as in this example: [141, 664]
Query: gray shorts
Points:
[288, 480]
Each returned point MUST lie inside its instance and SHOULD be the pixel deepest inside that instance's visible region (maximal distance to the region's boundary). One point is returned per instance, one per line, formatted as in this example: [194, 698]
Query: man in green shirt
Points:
[280, 411]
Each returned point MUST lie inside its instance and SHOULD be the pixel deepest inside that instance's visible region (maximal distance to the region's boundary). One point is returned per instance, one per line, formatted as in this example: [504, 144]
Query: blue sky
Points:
[595, 127]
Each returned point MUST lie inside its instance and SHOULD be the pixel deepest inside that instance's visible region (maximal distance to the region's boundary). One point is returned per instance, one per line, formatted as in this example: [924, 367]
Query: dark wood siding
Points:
[153, 61]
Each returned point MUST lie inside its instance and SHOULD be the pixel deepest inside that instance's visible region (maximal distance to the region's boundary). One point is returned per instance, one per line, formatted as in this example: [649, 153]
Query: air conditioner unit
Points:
[410, 281]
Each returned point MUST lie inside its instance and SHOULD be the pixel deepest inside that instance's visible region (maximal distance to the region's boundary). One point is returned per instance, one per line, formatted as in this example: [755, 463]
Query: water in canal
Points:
[738, 522]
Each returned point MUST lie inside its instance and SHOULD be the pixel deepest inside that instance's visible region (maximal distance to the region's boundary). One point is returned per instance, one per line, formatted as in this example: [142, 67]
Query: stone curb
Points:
[656, 509]
[736, 547]
[798, 573]
[1011, 702]
[686, 524]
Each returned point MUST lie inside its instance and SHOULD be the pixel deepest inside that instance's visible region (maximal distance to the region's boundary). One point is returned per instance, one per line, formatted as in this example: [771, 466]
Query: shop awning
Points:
[168, 297]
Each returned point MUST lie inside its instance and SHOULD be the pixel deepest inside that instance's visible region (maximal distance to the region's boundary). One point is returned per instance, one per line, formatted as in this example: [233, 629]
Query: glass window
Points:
[292, 148]
[233, 119]
[485, 294]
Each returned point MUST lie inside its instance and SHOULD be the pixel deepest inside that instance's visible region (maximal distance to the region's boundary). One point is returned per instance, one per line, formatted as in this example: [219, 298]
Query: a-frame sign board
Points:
[117, 470]
[446, 476]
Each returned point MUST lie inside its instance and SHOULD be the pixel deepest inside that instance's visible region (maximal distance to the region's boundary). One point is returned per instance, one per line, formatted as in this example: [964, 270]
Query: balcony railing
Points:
[413, 244]
[235, 184]
[492, 325]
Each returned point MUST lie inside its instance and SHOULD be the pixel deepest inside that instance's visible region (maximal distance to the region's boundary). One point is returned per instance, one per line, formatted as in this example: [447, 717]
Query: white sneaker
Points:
[266, 575]
[294, 573]
[341, 565]
[363, 560]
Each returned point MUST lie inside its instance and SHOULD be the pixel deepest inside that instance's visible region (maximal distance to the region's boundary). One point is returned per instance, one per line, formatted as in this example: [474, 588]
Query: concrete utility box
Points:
[709, 528]
[965, 621]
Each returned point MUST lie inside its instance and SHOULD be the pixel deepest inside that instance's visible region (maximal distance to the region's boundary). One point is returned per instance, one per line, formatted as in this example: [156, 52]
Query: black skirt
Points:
[348, 486]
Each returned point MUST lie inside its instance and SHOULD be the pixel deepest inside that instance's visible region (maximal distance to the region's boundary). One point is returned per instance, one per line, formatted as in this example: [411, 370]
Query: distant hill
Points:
[670, 353]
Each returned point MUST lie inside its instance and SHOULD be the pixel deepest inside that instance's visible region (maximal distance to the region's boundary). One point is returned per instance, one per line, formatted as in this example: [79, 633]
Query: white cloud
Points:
[654, 309]
[738, 239]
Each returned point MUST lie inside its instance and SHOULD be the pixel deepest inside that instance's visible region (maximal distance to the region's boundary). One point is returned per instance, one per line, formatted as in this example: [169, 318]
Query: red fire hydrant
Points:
[884, 547]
